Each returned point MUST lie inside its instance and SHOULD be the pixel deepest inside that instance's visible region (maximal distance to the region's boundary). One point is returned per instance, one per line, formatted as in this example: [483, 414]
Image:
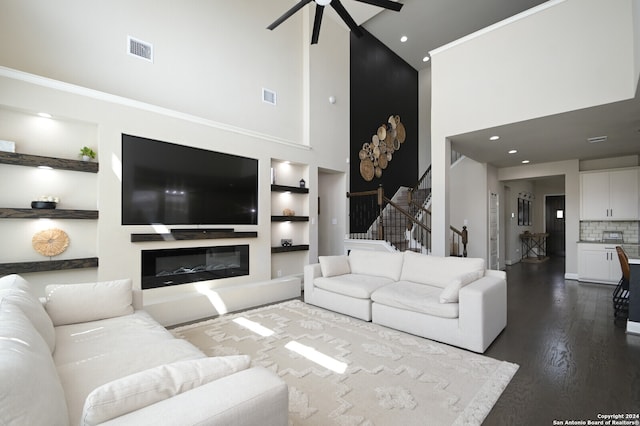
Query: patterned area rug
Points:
[343, 371]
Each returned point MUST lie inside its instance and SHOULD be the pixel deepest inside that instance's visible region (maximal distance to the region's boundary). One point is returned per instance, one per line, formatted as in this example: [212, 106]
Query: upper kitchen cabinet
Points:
[610, 195]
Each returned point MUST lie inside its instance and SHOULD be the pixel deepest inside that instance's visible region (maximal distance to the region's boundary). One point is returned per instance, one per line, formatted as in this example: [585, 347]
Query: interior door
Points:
[494, 261]
[555, 224]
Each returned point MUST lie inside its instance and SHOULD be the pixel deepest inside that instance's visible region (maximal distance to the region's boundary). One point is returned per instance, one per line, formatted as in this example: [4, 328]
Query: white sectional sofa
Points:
[449, 299]
[87, 357]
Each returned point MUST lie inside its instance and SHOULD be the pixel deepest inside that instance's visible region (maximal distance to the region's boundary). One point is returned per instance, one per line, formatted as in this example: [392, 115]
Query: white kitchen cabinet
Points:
[610, 195]
[598, 263]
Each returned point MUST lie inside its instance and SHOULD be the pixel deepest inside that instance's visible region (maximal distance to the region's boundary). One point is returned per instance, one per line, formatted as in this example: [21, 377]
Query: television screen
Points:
[170, 184]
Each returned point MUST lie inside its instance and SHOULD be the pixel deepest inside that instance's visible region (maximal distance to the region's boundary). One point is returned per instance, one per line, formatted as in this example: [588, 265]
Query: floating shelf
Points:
[47, 265]
[289, 218]
[283, 249]
[192, 235]
[55, 163]
[284, 188]
[10, 213]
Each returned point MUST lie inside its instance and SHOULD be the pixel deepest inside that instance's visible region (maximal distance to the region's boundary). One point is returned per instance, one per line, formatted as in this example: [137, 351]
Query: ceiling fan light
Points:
[323, 2]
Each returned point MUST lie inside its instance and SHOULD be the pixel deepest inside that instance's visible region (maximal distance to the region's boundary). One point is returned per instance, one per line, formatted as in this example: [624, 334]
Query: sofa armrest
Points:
[249, 397]
[311, 272]
[483, 309]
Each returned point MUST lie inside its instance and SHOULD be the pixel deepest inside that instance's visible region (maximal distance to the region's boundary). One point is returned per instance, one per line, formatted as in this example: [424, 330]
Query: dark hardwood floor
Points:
[575, 363]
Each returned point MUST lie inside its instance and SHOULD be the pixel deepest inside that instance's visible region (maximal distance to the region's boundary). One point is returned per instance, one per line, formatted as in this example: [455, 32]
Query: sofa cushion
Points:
[353, 285]
[147, 387]
[334, 265]
[74, 303]
[34, 311]
[90, 354]
[377, 263]
[15, 281]
[438, 271]
[30, 391]
[449, 294]
[421, 298]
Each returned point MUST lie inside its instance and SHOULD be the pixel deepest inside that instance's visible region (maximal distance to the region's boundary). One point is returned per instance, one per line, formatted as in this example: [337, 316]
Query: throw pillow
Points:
[334, 265]
[450, 294]
[74, 303]
[147, 387]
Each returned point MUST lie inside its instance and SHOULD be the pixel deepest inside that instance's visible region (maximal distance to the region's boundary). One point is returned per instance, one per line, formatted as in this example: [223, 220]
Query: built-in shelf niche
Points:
[289, 218]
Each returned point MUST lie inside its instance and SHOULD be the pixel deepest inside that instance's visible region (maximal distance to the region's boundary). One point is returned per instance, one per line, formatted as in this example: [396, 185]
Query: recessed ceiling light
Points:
[525, 161]
[426, 59]
[404, 38]
[44, 115]
[513, 151]
[494, 138]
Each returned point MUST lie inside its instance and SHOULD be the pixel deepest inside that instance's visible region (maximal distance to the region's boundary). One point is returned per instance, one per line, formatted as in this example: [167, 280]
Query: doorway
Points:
[555, 224]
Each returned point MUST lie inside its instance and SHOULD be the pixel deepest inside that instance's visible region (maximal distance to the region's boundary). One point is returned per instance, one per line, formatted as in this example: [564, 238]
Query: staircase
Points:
[404, 221]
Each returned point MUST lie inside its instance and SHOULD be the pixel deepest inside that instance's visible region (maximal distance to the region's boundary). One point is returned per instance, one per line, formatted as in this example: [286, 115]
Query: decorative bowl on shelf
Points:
[43, 204]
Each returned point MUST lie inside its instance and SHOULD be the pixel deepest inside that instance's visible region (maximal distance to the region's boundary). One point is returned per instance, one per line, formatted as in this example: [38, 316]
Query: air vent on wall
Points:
[140, 49]
[269, 96]
[597, 139]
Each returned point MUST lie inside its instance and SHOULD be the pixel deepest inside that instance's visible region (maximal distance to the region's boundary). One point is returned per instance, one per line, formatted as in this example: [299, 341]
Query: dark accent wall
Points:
[382, 84]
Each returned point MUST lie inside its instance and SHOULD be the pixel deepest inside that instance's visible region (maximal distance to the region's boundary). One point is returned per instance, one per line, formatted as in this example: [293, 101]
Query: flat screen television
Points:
[171, 184]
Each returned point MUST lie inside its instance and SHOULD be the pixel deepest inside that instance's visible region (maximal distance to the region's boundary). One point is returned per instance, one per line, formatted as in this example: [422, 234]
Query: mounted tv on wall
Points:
[171, 184]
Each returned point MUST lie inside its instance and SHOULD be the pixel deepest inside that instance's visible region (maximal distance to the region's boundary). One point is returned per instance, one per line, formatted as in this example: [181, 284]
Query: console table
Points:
[534, 246]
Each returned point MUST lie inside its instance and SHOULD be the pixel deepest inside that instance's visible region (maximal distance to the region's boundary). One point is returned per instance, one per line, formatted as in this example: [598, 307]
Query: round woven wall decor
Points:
[50, 242]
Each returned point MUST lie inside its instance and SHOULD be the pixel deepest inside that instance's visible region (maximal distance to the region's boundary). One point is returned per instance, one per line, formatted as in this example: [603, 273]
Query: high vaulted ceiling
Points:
[429, 24]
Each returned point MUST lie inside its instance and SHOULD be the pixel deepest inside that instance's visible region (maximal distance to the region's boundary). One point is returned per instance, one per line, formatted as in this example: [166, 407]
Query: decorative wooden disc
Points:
[402, 135]
[383, 162]
[392, 121]
[376, 152]
[378, 172]
[396, 144]
[375, 140]
[366, 169]
[362, 154]
[50, 242]
[382, 132]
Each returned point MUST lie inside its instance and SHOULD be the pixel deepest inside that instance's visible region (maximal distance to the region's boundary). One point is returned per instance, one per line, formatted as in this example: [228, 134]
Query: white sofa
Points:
[87, 357]
[449, 299]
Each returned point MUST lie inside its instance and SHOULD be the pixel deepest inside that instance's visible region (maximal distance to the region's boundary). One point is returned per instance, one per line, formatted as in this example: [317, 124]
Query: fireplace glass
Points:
[167, 267]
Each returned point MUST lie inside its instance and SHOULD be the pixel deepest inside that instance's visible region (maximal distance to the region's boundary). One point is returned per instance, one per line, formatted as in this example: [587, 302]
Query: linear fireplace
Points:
[167, 267]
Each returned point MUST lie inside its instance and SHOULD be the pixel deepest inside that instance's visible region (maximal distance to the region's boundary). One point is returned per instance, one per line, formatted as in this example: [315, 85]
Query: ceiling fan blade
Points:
[339, 8]
[387, 4]
[288, 13]
[317, 21]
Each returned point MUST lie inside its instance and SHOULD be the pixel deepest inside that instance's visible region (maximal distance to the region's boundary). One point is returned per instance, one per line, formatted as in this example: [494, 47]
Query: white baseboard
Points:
[633, 327]
[571, 276]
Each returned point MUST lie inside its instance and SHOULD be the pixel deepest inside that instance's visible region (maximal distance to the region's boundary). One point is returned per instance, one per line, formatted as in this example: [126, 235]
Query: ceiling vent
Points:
[140, 49]
[597, 139]
[269, 96]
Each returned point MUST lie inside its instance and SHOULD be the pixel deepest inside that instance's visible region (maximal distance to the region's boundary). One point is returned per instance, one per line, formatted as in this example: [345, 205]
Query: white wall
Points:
[537, 64]
[424, 119]
[211, 59]
[203, 90]
[465, 200]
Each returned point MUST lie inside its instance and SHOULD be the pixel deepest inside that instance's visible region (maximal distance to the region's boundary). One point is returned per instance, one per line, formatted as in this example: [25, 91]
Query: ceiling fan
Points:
[339, 8]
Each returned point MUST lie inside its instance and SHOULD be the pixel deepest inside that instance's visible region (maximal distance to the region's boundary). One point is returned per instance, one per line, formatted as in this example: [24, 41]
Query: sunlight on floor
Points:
[317, 357]
[254, 326]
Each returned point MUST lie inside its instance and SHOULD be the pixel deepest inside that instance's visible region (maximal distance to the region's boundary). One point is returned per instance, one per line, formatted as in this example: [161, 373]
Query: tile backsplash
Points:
[591, 230]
